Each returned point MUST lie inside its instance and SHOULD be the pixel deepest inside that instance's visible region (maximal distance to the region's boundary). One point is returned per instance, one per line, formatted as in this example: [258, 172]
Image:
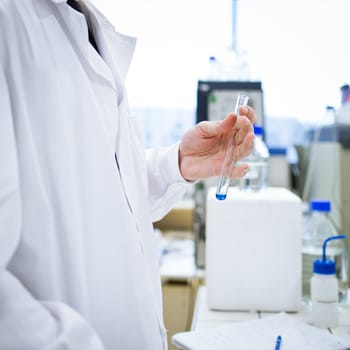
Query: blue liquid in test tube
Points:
[228, 163]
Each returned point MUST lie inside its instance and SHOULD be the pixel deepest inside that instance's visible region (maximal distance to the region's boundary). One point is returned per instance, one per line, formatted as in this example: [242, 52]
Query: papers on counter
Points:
[261, 334]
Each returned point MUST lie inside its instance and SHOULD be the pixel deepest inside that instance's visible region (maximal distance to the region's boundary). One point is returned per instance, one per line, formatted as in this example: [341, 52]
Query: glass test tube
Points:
[228, 163]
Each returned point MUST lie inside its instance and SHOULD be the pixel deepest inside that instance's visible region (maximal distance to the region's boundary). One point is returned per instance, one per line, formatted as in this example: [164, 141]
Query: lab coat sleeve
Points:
[165, 183]
[27, 323]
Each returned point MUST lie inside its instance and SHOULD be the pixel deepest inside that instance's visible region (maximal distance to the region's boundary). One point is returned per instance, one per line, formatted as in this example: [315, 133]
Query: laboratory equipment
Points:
[253, 250]
[324, 289]
[199, 222]
[214, 98]
[327, 173]
[280, 169]
[317, 227]
[229, 163]
[257, 177]
[344, 91]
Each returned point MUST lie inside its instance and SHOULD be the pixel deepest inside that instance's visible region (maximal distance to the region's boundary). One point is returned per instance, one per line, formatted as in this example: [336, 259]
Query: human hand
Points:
[203, 147]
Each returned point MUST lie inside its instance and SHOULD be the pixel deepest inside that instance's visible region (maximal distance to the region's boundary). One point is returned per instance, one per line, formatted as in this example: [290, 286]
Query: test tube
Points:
[224, 178]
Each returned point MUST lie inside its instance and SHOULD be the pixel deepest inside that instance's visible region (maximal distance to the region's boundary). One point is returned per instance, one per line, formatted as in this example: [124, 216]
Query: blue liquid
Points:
[220, 196]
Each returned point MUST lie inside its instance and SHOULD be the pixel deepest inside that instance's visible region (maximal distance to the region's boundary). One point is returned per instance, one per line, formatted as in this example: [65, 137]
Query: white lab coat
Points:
[78, 257]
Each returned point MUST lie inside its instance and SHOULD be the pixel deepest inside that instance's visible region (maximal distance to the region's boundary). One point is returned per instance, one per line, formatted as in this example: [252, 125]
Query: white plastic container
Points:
[324, 290]
[253, 250]
[324, 300]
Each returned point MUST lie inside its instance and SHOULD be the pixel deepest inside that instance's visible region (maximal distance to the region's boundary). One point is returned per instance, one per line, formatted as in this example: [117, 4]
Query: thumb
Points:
[228, 123]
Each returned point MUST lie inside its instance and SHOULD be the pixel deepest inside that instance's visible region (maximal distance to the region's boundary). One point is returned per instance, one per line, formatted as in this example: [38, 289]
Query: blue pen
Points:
[278, 343]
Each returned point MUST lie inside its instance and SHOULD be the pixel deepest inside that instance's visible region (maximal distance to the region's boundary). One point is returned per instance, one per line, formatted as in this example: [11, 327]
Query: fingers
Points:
[214, 128]
[228, 123]
[237, 171]
[244, 148]
[211, 128]
[248, 112]
[243, 127]
[239, 152]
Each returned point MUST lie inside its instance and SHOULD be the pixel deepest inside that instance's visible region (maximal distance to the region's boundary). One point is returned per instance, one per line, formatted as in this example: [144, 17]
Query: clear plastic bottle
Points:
[317, 227]
[257, 176]
[228, 65]
[329, 116]
[342, 115]
[214, 71]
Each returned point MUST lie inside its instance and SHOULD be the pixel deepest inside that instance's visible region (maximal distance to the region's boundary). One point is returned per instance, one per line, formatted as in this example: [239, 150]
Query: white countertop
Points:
[205, 319]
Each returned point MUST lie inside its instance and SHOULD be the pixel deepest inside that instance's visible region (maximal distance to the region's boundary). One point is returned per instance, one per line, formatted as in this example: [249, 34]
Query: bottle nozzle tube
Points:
[324, 257]
[228, 163]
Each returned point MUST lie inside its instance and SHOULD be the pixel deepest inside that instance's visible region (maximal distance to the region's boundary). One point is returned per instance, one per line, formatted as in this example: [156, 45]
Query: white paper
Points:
[262, 334]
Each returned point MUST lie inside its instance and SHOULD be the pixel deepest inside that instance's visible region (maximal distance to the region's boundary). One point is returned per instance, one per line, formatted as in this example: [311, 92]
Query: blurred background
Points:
[298, 50]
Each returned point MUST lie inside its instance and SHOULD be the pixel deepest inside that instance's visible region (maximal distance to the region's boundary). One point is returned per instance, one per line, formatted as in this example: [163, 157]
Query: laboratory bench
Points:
[205, 319]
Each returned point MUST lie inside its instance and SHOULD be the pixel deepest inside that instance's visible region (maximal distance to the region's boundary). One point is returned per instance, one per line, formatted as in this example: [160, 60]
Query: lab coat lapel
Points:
[116, 48]
[77, 28]
[116, 43]
[117, 51]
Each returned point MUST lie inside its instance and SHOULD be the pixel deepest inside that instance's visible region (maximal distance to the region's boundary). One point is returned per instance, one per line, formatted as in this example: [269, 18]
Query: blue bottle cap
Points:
[326, 266]
[258, 130]
[321, 205]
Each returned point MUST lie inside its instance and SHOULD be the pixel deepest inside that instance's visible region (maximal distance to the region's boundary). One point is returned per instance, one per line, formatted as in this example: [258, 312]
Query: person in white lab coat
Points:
[78, 193]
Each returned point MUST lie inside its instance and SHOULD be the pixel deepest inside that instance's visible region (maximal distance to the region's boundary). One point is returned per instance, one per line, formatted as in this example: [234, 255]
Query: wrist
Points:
[182, 166]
